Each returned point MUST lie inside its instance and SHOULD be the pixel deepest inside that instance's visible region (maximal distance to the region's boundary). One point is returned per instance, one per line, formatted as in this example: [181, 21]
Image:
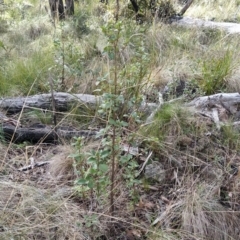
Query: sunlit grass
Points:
[20, 73]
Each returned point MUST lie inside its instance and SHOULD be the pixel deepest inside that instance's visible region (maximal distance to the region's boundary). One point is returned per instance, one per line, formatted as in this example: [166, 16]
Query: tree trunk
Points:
[57, 9]
[61, 13]
[135, 5]
[53, 8]
[69, 7]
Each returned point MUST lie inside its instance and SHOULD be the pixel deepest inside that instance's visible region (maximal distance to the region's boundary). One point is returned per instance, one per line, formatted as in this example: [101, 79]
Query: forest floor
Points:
[174, 175]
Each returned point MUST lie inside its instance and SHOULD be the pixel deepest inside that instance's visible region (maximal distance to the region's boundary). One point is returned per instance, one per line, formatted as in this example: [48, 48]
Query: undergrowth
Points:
[106, 188]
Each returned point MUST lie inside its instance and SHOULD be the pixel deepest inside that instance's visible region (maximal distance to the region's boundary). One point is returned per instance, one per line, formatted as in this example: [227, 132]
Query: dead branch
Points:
[185, 8]
[31, 166]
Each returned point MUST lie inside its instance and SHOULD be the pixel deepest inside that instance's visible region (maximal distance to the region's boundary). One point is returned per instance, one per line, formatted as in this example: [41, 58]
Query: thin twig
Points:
[31, 166]
[53, 103]
[145, 163]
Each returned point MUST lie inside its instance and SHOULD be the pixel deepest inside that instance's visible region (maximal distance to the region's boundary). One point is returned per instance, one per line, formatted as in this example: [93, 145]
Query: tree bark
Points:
[69, 7]
[185, 8]
[135, 5]
[57, 9]
[63, 101]
[42, 133]
[61, 12]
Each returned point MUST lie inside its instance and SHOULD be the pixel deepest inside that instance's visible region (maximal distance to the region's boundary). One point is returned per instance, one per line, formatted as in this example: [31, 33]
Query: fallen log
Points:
[64, 102]
[13, 131]
[219, 107]
[42, 133]
[229, 100]
[33, 135]
[231, 28]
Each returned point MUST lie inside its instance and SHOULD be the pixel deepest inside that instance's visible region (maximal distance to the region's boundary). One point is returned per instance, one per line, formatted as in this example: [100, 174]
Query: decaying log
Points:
[13, 131]
[211, 106]
[42, 133]
[231, 28]
[18, 135]
[64, 102]
[229, 100]
[219, 107]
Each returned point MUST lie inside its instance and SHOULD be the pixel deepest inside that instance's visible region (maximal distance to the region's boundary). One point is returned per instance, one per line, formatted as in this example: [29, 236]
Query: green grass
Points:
[169, 120]
[215, 72]
[230, 137]
[31, 72]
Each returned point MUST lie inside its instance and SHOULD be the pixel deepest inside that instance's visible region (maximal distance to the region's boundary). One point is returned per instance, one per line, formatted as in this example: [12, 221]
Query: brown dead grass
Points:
[35, 213]
[198, 212]
[61, 164]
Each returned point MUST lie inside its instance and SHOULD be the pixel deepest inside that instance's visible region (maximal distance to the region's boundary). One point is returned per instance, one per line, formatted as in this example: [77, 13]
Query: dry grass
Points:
[215, 10]
[197, 212]
[61, 165]
[34, 213]
[198, 199]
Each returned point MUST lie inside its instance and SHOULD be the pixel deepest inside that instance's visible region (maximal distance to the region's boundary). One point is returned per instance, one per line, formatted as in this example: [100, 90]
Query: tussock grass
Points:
[198, 213]
[61, 165]
[169, 121]
[21, 73]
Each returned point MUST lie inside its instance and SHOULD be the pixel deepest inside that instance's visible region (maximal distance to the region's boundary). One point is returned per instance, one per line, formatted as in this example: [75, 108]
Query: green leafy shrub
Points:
[80, 23]
[166, 10]
[3, 25]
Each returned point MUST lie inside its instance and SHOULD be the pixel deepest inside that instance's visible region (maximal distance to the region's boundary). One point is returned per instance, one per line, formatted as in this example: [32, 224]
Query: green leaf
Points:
[125, 158]
[124, 124]
[104, 153]
[90, 184]
[81, 181]
[91, 160]
[112, 122]
[74, 155]
[103, 167]
[2, 45]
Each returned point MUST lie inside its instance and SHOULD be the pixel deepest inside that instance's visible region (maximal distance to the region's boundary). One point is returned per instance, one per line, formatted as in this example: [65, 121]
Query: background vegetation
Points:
[94, 190]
